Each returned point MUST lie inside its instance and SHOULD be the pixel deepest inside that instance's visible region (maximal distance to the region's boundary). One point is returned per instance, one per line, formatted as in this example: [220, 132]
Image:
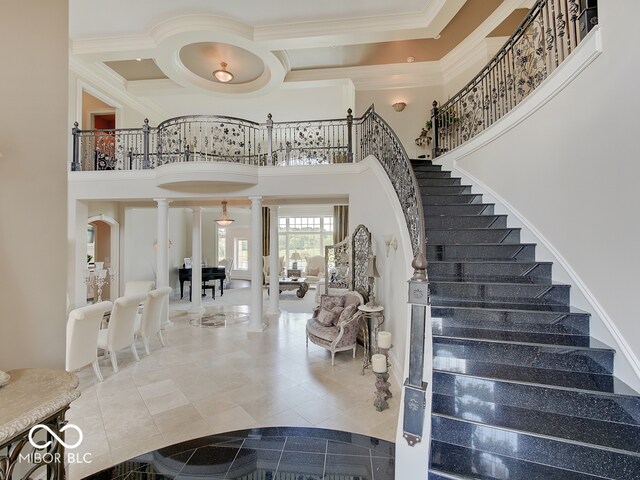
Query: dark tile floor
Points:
[277, 453]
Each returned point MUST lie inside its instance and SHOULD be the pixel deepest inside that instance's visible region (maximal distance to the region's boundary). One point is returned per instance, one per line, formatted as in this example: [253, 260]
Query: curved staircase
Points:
[520, 389]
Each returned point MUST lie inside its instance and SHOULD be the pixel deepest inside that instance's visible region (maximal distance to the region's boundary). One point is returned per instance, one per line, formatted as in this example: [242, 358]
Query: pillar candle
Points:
[384, 340]
[379, 363]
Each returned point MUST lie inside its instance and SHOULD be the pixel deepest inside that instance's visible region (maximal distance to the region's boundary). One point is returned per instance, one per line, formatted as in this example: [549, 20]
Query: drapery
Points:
[340, 223]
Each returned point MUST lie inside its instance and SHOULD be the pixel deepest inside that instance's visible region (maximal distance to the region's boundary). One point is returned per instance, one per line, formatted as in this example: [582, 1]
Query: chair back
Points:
[137, 287]
[351, 297]
[152, 310]
[227, 263]
[122, 322]
[82, 334]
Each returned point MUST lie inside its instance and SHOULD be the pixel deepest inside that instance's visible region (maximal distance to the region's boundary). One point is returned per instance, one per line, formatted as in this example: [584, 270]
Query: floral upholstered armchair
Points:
[335, 323]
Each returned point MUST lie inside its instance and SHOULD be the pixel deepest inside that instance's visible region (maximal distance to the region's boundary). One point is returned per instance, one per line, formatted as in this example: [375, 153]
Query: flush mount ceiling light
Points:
[223, 75]
[225, 220]
[399, 106]
[411, 59]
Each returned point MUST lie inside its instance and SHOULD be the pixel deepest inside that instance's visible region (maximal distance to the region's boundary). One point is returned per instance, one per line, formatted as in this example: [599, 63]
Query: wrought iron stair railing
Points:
[545, 38]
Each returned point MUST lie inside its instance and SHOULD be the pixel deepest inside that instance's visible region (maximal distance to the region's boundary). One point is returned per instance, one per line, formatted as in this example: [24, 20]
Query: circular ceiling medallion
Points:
[204, 58]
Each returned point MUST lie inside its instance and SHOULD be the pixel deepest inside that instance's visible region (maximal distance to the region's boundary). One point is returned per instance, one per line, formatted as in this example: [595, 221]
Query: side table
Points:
[34, 396]
[373, 314]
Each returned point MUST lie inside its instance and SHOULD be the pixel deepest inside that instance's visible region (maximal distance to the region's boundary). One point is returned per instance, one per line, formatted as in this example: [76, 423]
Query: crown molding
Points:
[114, 86]
[425, 24]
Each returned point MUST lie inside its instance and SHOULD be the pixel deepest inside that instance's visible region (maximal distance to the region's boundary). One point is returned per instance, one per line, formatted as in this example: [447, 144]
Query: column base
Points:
[195, 313]
[277, 311]
[166, 324]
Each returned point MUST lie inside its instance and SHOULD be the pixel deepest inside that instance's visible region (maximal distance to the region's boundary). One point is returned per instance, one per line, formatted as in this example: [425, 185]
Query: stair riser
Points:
[427, 168]
[468, 464]
[445, 329]
[488, 235]
[461, 222]
[446, 190]
[549, 322]
[602, 407]
[439, 181]
[416, 162]
[461, 209]
[469, 198]
[433, 174]
[487, 292]
[505, 251]
[573, 457]
[523, 272]
[597, 432]
[545, 356]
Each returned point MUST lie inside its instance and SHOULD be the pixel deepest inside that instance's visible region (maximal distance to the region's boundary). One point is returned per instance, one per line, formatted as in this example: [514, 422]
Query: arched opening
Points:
[103, 241]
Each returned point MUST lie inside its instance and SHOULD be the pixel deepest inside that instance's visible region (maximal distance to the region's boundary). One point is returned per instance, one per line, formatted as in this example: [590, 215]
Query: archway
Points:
[107, 236]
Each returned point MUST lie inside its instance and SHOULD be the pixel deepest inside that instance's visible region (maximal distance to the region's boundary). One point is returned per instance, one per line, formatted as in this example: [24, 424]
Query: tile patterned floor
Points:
[212, 380]
[265, 453]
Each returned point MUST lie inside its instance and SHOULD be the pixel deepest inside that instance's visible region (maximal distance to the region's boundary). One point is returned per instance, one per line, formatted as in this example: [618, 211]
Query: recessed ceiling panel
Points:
[468, 18]
[203, 58]
[144, 69]
[509, 25]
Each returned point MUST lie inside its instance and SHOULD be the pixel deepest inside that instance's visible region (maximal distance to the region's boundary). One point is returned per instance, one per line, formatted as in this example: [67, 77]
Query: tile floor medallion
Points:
[215, 378]
[284, 453]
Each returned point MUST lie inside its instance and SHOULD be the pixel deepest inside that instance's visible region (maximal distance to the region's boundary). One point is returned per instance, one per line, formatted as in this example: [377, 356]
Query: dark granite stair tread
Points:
[512, 307]
[480, 245]
[505, 262]
[553, 284]
[435, 474]
[594, 344]
[547, 332]
[552, 451]
[457, 460]
[569, 338]
[577, 381]
[622, 437]
[488, 279]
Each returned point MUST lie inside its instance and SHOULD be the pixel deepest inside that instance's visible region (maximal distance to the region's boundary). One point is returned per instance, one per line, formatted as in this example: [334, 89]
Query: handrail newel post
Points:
[75, 161]
[350, 136]
[269, 140]
[145, 145]
[434, 127]
[415, 389]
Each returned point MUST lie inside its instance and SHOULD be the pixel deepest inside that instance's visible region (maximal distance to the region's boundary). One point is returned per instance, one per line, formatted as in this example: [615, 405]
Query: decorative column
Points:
[196, 310]
[274, 263]
[162, 255]
[255, 263]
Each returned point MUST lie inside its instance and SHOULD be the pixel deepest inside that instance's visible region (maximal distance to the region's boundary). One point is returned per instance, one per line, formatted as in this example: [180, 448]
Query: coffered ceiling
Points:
[174, 47]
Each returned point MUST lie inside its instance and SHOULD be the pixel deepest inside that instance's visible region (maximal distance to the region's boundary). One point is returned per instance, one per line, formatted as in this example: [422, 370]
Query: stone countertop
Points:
[33, 395]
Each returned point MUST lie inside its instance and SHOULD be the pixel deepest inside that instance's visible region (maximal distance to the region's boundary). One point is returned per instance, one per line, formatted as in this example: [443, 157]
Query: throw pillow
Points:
[347, 313]
[314, 271]
[329, 301]
[329, 318]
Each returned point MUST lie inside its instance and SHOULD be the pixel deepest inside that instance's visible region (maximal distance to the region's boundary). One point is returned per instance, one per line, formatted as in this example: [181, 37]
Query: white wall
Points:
[140, 236]
[302, 102]
[33, 213]
[408, 123]
[571, 171]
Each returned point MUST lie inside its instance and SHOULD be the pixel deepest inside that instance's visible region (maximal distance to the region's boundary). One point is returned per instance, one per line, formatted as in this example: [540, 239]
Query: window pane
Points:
[222, 243]
[242, 254]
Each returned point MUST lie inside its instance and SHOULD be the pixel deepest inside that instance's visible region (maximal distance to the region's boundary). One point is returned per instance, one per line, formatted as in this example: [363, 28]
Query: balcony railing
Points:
[545, 38]
[214, 138]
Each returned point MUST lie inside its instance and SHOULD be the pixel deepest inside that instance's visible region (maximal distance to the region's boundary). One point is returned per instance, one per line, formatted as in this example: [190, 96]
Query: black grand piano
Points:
[208, 273]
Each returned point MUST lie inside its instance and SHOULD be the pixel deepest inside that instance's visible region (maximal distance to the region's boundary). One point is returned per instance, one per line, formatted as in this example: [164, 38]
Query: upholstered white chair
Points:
[82, 337]
[314, 269]
[136, 287]
[266, 268]
[227, 263]
[148, 322]
[120, 332]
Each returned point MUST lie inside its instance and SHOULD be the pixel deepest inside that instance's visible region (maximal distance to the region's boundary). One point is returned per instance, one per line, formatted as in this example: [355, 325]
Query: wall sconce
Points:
[390, 241]
[399, 106]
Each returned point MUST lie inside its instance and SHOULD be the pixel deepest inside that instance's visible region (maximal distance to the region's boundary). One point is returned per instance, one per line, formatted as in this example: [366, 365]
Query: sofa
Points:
[335, 323]
[314, 270]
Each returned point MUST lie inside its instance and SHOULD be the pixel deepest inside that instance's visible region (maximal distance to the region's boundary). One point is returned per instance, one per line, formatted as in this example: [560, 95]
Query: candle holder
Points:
[382, 391]
[99, 279]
